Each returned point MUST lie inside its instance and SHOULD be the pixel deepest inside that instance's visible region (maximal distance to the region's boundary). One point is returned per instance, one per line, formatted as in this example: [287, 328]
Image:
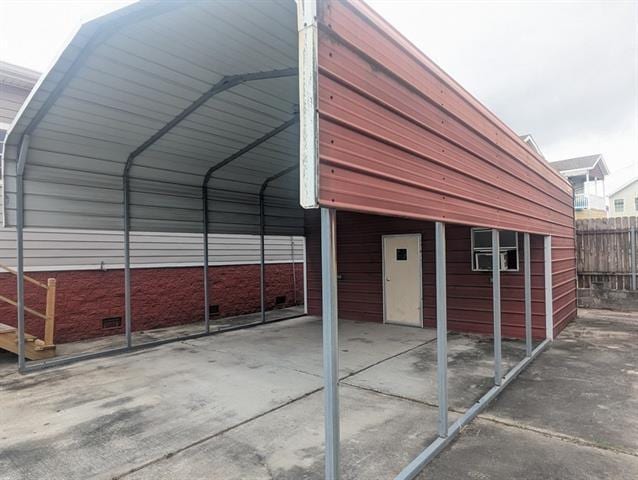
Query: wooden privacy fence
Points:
[606, 253]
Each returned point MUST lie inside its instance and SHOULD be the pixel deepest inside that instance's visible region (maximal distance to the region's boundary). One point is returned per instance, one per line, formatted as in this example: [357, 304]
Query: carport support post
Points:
[549, 308]
[528, 295]
[496, 300]
[22, 160]
[441, 328]
[632, 243]
[330, 341]
[262, 255]
[205, 230]
[127, 263]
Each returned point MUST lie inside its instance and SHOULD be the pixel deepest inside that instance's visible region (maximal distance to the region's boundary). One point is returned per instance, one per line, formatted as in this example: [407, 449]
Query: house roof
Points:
[623, 186]
[529, 140]
[17, 76]
[588, 162]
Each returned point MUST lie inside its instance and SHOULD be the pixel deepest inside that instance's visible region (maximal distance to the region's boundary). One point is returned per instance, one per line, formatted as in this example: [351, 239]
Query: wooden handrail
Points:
[26, 277]
[49, 315]
[27, 309]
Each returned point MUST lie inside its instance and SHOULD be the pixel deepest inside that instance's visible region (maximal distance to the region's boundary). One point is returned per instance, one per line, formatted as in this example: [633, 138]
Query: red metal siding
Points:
[360, 292]
[399, 137]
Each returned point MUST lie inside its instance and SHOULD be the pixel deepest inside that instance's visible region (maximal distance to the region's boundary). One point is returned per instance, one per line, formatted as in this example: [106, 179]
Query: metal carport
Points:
[177, 116]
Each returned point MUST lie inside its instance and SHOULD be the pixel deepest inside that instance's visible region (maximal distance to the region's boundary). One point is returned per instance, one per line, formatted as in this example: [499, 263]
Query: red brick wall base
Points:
[161, 297]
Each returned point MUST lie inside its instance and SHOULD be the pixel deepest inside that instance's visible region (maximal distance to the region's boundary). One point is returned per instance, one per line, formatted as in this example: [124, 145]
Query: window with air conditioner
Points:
[482, 250]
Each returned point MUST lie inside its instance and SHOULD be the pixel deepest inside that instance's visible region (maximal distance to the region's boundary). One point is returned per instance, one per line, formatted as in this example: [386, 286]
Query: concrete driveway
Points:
[573, 414]
[248, 405]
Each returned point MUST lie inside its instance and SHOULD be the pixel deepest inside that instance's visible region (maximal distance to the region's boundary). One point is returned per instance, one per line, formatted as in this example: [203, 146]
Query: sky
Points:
[564, 71]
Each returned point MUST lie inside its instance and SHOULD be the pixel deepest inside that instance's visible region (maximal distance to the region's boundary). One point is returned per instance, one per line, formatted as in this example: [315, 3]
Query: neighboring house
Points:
[587, 175]
[529, 140]
[15, 84]
[623, 202]
[88, 264]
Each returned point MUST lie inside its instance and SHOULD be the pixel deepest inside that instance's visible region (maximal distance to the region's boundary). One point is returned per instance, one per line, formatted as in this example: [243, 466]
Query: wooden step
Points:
[35, 349]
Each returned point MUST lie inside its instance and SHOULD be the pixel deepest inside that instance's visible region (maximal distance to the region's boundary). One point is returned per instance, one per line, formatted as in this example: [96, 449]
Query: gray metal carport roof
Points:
[164, 91]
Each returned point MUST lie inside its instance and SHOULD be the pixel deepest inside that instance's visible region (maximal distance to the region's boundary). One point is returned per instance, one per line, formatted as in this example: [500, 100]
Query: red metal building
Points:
[432, 211]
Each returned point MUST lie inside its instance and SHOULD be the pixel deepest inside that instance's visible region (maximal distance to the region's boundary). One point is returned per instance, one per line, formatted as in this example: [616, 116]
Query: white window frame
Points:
[488, 250]
[621, 202]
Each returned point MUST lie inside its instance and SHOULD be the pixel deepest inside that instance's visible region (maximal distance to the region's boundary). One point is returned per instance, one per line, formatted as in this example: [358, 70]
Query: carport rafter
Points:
[262, 234]
[226, 83]
[251, 146]
[97, 39]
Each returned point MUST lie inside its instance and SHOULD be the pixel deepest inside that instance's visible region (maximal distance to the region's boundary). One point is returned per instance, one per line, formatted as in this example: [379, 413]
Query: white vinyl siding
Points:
[57, 249]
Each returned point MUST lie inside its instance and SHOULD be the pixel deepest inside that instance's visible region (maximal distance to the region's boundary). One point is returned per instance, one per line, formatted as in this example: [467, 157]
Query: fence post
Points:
[49, 325]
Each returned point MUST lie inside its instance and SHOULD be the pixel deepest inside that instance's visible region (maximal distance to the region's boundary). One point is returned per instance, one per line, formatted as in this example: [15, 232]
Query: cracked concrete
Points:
[248, 405]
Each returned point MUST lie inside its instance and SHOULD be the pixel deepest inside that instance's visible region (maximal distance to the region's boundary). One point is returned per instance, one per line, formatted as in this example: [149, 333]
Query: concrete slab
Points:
[106, 416]
[487, 451]
[380, 434]
[8, 361]
[470, 371]
[585, 386]
[297, 344]
[103, 417]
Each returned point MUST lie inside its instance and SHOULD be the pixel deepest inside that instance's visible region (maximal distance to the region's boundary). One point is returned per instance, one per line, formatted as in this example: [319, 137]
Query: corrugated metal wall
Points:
[399, 137]
[57, 249]
[360, 292]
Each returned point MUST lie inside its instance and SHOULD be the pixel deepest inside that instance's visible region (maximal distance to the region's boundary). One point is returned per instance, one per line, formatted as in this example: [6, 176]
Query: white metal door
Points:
[402, 280]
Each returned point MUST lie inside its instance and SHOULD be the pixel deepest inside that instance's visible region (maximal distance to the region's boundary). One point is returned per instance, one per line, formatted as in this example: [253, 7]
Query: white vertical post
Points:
[441, 328]
[330, 341]
[496, 305]
[549, 304]
[528, 294]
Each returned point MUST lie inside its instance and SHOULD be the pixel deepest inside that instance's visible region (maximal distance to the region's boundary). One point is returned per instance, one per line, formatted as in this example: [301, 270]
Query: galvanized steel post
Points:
[205, 234]
[330, 341]
[496, 305]
[20, 166]
[305, 279]
[528, 294]
[127, 263]
[20, 276]
[262, 255]
[632, 241]
[441, 329]
[549, 296]
[294, 269]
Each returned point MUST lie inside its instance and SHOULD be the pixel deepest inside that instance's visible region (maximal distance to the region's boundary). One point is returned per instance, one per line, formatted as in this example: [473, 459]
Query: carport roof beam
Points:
[224, 84]
[262, 233]
[248, 148]
[138, 12]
